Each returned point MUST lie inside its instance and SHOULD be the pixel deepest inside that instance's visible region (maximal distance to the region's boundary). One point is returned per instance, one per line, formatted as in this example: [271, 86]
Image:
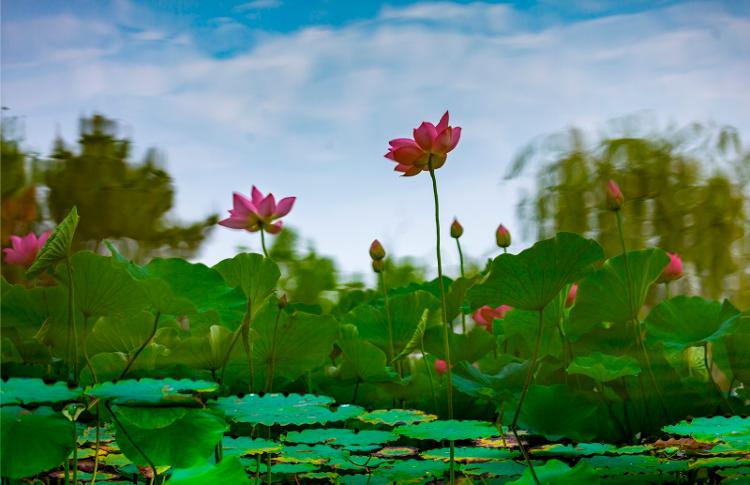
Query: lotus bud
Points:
[441, 367]
[456, 229]
[376, 251]
[571, 298]
[615, 199]
[673, 271]
[502, 236]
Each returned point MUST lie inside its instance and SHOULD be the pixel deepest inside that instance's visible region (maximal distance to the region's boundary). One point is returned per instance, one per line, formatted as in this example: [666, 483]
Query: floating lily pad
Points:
[555, 472]
[581, 449]
[20, 390]
[448, 430]
[295, 409]
[336, 458]
[621, 464]
[720, 462]
[394, 417]
[151, 391]
[396, 452]
[505, 468]
[342, 437]
[228, 471]
[244, 445]
[406, 471]
[470, 454]
[717, 428]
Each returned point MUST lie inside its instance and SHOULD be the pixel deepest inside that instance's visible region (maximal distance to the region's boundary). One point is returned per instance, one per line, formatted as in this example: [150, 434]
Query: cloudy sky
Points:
[301, 97]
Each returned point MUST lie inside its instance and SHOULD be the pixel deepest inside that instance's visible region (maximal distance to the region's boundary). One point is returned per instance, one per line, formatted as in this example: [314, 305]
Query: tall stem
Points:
[269, 373]
[391, 351]
[97, 445]
[142, 347]
[72, 330]
[235, 338]
[130, 438]
[429, 376]
[85, 350]
[263, 242]
[715, 385]
[446, 330]
[633, 311]
[463, 275]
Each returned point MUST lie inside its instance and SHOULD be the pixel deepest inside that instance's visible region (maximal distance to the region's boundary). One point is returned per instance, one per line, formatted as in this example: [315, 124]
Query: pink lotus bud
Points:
[571, 298]
[376, 251]
[441, 367]
[502, 236]
[377, 265]
[457, 229]
[673, 270]
[24, 249]
[485, 315]
[615, 199]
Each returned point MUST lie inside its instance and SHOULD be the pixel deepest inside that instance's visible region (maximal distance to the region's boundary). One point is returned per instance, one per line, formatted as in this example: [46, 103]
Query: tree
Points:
[685, 191]
[118, 199]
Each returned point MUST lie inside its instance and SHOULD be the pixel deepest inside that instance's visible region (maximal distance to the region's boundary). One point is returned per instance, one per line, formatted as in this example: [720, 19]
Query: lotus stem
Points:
[429, 375]
[446, 330]
[235, 337]
[72, 330]
[391, 352]
[85, 350]
[142, 347]
[263, 242]
[130, 439]
[97, 445]
[463, 275]
[715, 385]
[269, 374]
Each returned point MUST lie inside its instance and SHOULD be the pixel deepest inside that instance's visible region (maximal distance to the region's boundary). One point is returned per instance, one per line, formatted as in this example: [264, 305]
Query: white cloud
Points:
[310, 113]
[258, 5]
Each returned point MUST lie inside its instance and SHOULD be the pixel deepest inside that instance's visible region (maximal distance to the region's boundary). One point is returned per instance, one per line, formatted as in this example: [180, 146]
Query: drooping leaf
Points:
[361, 359]
[603, 295]
[273, 409]
[555, 472]
[738, 349]
[496, 388]
[19, 390]
[604, 367]
[57, 246]
[686, 321]
[256, 275]
[228, 471]
[120, 333]
[531, 279]
[33, 441]
[206, 352]
[415, 342]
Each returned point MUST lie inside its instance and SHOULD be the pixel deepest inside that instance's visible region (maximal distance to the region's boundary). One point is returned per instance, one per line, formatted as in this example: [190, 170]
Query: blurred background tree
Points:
[117, 199]
[686, 191]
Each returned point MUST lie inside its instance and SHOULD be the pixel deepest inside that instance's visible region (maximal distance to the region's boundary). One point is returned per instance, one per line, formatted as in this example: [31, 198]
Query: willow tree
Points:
[686, 191]
[116, 198]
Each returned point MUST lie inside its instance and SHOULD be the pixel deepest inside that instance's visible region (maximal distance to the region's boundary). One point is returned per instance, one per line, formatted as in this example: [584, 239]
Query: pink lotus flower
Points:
[485, 315]
[430, 143]
[24, 249]
[258, 213]
[441, 367]
[673, 270]
[615, 199]
[571, 298]
[502, 236]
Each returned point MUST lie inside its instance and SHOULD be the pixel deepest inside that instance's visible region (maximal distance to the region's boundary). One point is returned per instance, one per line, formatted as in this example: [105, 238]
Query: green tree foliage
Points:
[685, 191]
[117, 198]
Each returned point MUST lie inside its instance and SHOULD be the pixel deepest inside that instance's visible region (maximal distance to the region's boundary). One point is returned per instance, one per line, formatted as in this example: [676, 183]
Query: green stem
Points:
[429, 375]
[130, 438]
[269, 373]
[154, 327]
[463, 275]
[72, 330]
[667, 292]
[235, 337]
[356, 391]
[97, 445]
[263, 242]
[715, 385]
[85, 350]
[391, 352]
[446, 330]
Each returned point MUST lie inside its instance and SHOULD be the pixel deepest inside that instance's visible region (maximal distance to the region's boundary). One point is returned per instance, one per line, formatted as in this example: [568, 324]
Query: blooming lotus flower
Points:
[457, 230]
[485, 315]
[257, 213]
[441, 367]
[502, 236]
[673, 270]
[377, 252]
[614, 197]
[571, 298]
[430, 143]
[24, 249]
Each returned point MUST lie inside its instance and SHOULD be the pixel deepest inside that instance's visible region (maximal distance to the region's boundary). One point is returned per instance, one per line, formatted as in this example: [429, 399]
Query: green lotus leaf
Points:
[179, 439]
[717, 428]
[255, 275]
[151, 391]
[580, 449]
[228, 471]
[394, 417]
[410, 471]
[121, 333]
[604, 367]
[57, 247]
[738, 349]
[603, 295]
[294, 409]
[470, 454]
[20, 390]
[244, 445]
[687, 321]
[622, 464]
[525, 324]
[208, 351]
[351, 439]
[531, 279]
[33, 441]
[555, 472]
[451, 430]
[505, 468]
[361, 359]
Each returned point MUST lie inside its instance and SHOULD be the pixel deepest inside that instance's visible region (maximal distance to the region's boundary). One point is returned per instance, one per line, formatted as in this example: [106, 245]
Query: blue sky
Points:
[301, 97]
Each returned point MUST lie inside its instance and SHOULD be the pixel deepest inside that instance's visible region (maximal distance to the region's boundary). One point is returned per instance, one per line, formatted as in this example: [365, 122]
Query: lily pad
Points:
[296, 409]
[717, 428]
[151, 391]
[342, 437]
[20, 390]
[244, 445]
[580, 449]
[448, 430]
[470, 454]
[407, 471]
[394, 417]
